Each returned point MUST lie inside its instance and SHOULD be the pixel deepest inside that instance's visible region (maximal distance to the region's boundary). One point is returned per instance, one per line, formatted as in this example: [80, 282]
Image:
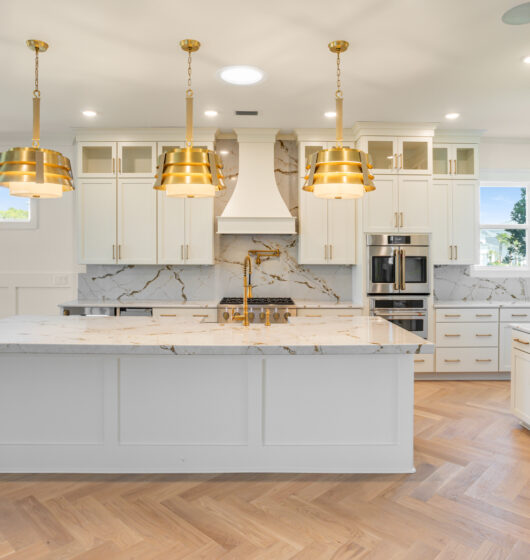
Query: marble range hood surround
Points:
[256, 206]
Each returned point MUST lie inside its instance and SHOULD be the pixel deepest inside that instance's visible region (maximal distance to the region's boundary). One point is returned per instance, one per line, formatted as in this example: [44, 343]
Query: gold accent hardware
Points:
[401, 217]
[260, 254]
[197, 315]
[403, 275]
[483, 360]
[187, 252]
[395, 161]
[452, 335]
[119, 165]
[168, 315]
[331, 252]
[66, 312]
[119, 252]
[340, 172]
[34, 172]
[401, 161]
[268, 318]
[396, 269]
[482, 314]
[113, 165]
[521, 341]
[226, 315]
[189, 172]
[451, 361]
[455, 171]
[450, 252]
[419, 361]
[346, 315]
[456, 252]
[325, 252]
[519, 314]
[452, 315]
[247, 291]
[113, 252]
[313, 315]
[483, 335]
[450, 166]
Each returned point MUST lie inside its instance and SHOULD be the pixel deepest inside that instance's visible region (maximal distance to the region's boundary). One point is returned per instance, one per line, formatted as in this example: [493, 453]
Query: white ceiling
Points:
[409, 60]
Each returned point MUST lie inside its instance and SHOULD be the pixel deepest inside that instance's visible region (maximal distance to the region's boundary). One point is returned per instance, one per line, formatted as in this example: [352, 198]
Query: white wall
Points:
[507, 159]
[38, 266]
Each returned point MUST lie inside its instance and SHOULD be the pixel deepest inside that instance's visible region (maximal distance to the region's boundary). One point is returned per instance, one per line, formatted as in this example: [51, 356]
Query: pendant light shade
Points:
[190, 172]
[32, 171]
[340, 172]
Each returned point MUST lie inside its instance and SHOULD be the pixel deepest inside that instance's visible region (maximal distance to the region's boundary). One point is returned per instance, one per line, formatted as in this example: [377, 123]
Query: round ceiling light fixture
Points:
[452, 116]
[526, 59]
[518, 15]
[210, 113]
[241, 75]
[89, 113]
[330, 114]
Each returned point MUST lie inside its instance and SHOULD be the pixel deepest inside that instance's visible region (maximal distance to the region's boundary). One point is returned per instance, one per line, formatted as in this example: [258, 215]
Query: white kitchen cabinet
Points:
[456, 161]
[136, 221]
[185, 230]
[96, 217]
[318, 312]
[424, 363]
[390, 155]
[136, 159]
[96, 159]
[326, 227]
[200, 314]
[508, 316]
[399, 203]
[520, 384]
[454, 215]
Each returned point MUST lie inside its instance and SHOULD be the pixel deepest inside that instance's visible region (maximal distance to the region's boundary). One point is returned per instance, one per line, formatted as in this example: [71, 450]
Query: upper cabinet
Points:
[408, 155]
[457, 161]
[327, 228]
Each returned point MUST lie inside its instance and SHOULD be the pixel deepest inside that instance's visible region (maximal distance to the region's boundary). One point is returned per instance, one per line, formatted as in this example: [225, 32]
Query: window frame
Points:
[479, 270]
[32, 223]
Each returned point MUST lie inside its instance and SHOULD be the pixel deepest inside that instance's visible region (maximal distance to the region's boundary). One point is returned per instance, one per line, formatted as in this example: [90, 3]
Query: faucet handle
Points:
[268, 318]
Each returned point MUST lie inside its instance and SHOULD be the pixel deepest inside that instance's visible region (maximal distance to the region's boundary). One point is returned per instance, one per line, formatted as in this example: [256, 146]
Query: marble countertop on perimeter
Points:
[471, 304]
[523, 327]
[312, 304]
[145, 335]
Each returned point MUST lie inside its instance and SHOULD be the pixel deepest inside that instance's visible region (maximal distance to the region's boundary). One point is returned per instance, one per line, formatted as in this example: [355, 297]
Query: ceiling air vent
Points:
[247, 113]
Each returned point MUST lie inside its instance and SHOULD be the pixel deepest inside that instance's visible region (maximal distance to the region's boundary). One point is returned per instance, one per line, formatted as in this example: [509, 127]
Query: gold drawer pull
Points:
[521, 341]
[483, 335]
[519, 314]
[346, 315]
[313, 315]
[484, 360]
[454, 361]
[448, 335]
[418, 361]
[453, 315]
[483, 314]
[167, 315]
[200, 315]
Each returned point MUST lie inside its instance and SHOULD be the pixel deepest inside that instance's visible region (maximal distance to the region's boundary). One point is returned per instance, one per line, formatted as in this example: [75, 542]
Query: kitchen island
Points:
[134, 394]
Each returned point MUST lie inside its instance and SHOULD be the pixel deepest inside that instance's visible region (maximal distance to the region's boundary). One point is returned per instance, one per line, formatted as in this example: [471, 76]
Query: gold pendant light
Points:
[340, 172]
[190, 172]
[35, 172]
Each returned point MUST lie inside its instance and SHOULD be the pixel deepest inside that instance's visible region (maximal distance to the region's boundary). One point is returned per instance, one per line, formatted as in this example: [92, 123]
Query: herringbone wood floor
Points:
[469, 499]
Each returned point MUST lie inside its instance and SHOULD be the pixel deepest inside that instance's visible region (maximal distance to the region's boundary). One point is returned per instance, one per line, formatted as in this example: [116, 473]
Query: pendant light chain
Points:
[189, 106]
[338, 105]
[189, 91]
[338, 93]
[36, 103]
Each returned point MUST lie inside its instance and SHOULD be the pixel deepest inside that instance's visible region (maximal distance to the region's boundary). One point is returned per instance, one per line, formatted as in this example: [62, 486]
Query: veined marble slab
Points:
[199, 304]
[312, 304]
[523, 327]
[144, 335]
[493, 304]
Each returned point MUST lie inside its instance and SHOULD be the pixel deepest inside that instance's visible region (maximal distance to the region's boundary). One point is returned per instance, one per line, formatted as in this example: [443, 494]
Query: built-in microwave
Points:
[398, 264]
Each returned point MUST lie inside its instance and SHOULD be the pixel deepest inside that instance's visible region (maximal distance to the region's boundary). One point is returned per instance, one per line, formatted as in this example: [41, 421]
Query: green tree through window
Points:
[515, 239]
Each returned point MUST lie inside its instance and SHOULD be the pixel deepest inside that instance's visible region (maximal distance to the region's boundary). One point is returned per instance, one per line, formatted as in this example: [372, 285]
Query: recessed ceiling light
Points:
[224, 152]
[519, 15]
[330, 114]
[211, 113]
[89, 113]
[526, 59]
[452, 116]
[241, 75]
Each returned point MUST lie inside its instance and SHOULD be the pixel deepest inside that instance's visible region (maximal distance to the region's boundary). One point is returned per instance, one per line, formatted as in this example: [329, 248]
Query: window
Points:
[17, 212]
[503, 225]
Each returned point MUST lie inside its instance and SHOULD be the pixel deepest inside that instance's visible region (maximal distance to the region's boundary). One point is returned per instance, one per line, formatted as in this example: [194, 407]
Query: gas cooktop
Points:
[257, 301]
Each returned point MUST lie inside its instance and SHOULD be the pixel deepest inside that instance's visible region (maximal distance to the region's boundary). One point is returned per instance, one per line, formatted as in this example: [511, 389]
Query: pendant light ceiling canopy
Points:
[190, 172]
[340, 172]
[35, 172]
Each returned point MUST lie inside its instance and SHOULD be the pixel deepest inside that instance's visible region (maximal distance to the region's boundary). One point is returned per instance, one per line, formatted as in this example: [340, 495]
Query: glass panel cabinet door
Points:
[414, 155]
[383, 154]
[465, 161]
[136, 159]
[440, 160]
[96, 159]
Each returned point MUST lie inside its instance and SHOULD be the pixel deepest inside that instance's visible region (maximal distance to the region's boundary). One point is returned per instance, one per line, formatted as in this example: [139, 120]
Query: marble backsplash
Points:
[279, 277]
[454, 283]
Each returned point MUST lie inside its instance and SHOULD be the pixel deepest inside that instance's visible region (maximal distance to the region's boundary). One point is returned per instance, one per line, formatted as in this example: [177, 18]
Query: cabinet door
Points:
[415, 155]
[341, 231]
[96, 159]
[171, 228]
[414, 195]
[505, 346]
[313, 227]
[441, 155]
[199, 232]
[465, 161]
[464, 212]
[441, 222]
[136, 159]
[136, 221]
[96, 211]
[520, 385]
[383, 152]
[380, 207]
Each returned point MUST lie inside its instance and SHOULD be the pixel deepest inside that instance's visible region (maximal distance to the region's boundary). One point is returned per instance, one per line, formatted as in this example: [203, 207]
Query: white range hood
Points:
[256, 206]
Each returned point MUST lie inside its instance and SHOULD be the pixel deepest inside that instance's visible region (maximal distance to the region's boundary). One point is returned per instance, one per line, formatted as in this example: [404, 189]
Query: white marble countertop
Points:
[144, 335]
[523, 327]
[471, 304]
[307, 304]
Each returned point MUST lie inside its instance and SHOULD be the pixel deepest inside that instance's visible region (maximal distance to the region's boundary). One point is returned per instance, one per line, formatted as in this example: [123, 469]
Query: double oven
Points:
[399, 279]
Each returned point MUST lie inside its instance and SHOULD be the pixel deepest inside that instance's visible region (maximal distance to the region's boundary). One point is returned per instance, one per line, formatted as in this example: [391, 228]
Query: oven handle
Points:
[396, 270]
[403, 284]
[418, 315]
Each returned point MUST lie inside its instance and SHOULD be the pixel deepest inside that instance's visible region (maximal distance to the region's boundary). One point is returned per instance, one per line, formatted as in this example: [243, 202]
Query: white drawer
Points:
[199, 314]
[466, 315]
[521, 341]
[515, 315]
[303, 312]
[424, 363]
[467, 334]
[466, 359]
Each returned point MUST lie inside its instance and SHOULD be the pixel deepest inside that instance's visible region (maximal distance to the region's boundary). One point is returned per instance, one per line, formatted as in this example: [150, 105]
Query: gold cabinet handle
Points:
[113, 165]
[450, 167]
[167, 315]
[119, 165]
[113, 252]
[452, 315]
[483, 360]
[521, 341]
[395, 161]
[519, 314]
[456, 252]
[419, 361]
[313, 315]
[401, 216]
[452, 335]
[483, 335]
[345, 315]
[182, 252]
[396, 269]
[451, 361]
[483, 315]
[450, 252]
[454, 167]
[198, 315]
[401, 161]
[331, 252]
[119, 252]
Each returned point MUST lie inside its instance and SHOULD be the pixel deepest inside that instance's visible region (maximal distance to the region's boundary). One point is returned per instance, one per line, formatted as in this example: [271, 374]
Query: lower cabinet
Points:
[327, 312]
[461, 360]
[507, 317]
[520, 385]
[177, 312]
[424, 363]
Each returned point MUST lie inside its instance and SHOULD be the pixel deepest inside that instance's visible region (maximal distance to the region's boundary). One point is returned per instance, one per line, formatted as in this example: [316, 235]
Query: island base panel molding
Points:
[190, 414]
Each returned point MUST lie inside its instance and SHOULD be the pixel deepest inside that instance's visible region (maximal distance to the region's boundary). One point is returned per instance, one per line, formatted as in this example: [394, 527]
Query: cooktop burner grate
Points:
[257, 301]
